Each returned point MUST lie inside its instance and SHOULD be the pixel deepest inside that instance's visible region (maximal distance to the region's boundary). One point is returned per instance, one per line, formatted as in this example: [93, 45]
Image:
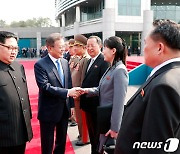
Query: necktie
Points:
[90, 64]
[60, 71]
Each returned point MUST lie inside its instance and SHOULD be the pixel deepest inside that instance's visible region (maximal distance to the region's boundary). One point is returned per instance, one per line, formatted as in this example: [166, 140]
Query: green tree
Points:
[34, 22]
[2, 23]
[18, 24]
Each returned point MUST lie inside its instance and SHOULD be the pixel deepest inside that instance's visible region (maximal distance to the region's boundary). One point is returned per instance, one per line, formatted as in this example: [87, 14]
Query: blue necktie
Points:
[60, 71]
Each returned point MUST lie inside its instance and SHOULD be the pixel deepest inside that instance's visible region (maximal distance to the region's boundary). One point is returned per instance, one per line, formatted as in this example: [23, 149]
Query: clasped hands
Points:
[77, 91]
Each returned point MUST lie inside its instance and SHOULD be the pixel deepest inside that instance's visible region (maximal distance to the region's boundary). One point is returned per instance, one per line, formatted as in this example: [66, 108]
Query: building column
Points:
[77, 21]
[38, 39]
[78, 14]
[63, 20]
[62, 28]
[147, 26]
[109, 19]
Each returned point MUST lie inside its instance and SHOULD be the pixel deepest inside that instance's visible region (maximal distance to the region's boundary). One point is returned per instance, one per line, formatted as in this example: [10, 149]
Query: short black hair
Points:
[52, 38]
[167, 31]
[5, 35]
[120, 46]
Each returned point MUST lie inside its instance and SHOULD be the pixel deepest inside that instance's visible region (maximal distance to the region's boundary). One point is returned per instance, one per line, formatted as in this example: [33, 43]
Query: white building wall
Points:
[93, 26]
[129, 27]
[111, 21]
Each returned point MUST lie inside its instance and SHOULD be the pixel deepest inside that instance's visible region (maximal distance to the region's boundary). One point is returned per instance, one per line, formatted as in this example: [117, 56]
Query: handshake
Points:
[77, 91]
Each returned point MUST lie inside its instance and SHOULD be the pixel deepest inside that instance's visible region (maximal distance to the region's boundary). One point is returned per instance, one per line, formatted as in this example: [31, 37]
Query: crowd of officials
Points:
[78, 78]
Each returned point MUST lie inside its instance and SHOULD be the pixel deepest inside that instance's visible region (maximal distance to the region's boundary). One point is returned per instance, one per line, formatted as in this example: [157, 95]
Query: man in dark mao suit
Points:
[54, 101]
[95, 69]
[15, 111]
[151, 120]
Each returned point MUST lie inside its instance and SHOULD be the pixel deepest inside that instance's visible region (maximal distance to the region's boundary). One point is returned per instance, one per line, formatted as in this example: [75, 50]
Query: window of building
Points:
[129, 7]
[90, 12]
[70, 16]
[164, 9]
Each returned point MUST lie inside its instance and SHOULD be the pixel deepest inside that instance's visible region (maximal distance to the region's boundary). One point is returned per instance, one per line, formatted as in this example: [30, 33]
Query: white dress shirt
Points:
[163, 64]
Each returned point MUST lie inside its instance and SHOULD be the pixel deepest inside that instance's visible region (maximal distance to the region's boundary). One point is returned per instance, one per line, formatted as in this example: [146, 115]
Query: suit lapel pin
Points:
[95, 66]
[108, 77]
[142, 92]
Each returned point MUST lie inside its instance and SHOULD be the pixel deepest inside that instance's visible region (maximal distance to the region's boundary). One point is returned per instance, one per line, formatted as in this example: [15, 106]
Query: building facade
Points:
[130, 19]
[31, 37]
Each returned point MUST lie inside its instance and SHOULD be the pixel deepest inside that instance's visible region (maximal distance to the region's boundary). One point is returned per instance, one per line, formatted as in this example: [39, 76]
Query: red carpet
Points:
[34, 146]
[133, 62]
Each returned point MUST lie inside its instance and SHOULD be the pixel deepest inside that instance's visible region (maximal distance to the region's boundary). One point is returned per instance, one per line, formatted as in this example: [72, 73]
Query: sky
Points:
[16, 10]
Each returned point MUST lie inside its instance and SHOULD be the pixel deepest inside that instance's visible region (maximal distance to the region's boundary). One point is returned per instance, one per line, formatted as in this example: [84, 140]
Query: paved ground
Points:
[73, 131]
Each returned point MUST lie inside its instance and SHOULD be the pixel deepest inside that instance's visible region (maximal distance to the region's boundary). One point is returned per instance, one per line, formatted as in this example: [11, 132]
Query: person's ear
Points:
[160, 48]
[114, 51]
[84, 47]
[100, 46]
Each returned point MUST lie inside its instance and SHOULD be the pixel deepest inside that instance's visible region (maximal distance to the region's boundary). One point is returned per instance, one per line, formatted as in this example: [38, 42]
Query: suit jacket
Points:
[112, 91]
[91, 79]
[67, 56]
[52, 95]
[15, 111]
[153, 113]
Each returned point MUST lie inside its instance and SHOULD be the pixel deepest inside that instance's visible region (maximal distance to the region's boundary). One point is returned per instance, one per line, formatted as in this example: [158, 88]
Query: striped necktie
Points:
[60, 71]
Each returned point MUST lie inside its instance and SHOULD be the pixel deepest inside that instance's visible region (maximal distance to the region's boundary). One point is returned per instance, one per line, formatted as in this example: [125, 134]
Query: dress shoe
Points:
[73, 124]
[80, 143]
[79, 137]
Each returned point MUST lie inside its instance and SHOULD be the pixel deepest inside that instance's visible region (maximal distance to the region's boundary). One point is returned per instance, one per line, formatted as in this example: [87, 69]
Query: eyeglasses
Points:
[10, 47]
[92, 46]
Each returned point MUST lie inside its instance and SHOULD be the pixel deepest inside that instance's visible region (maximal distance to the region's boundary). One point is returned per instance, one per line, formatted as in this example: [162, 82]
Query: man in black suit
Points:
[95, 69]
[54, 80]
[66, 54]
[15, 111]
[152, 115]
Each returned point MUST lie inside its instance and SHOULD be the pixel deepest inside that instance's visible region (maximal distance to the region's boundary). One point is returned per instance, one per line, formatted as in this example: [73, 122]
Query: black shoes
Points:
[73, 124]
[80, 143]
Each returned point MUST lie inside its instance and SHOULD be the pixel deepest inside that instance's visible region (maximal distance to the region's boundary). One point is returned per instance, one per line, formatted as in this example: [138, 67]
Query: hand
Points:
[112, 134]
[75, 92]
[80, 90]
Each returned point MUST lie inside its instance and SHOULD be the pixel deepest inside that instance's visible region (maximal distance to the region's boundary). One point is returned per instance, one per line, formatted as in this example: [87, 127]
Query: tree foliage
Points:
[34, 22]
[2, 23]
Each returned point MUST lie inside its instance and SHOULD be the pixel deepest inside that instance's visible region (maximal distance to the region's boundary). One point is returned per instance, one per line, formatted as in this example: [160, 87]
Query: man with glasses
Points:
[15, 111]
[94, 71]
[55, 96]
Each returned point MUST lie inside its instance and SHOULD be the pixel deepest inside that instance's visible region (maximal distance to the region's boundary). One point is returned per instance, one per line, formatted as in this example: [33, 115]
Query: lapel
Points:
[109, 72]
[88, 65]
[95, 64]
[52, 66]
[161, 70]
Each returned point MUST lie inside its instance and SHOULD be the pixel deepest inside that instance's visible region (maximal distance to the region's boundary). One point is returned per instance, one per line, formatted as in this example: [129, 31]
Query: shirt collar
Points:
[52, 58]
[6, 67]
[96, 56]
[163, 64]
